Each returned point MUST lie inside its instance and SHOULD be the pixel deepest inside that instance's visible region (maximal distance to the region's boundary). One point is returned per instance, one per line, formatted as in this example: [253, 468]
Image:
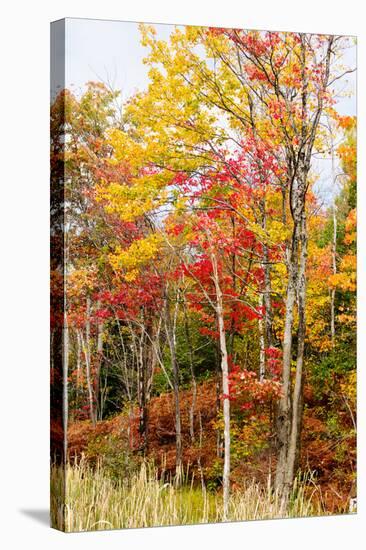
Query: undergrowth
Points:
[93, 500]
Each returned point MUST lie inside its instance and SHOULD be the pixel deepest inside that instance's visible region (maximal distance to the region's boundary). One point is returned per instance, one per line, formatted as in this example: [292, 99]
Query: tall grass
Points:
[94, 501]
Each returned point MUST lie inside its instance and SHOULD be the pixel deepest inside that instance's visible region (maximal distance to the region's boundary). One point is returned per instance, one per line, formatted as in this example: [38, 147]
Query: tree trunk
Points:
[294, 441]
[289, 417]
[262, 345]
[87, 355]
[193, 377]
[65, 373]
[267, 300]
[141, 395]
[334, 254]
[284, 405]
[225, 387]
[265, 322]
[98, 366]
[78, 359]
[218, 376]
[172, 347]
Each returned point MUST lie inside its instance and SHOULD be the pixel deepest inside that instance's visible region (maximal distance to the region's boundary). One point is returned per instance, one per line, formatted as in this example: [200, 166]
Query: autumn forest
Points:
[203, 285]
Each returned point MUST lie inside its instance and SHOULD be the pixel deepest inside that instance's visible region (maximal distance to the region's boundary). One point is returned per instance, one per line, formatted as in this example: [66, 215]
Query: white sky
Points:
[108, 51]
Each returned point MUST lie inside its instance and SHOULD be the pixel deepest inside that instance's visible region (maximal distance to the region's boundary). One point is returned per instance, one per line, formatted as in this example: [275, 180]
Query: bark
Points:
[103, 392]
[284, 405]
[334, 251]
[225, 387]
[144, 359]
[203, 485]
[170, 333]
[193, 377]
[78, 358]
[262, 345]
[267, 290]
[267, 301]
[141, 395]
[289, 418]
[294, 441]
[98, 367]
[231, 336]
[150, 357]
[87, 355]
[219, 435]
[65, 389]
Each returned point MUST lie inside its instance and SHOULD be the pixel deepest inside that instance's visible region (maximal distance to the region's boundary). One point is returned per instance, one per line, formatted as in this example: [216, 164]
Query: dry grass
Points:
[93, 501]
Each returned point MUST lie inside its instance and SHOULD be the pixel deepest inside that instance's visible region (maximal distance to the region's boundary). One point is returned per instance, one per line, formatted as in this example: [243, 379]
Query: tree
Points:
[277, 86]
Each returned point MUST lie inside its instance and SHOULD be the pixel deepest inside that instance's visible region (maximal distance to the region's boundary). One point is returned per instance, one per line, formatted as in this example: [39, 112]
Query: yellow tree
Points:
[211, 87]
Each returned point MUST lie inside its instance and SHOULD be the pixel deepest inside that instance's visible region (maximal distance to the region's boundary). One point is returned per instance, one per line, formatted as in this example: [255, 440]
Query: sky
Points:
[110, 51]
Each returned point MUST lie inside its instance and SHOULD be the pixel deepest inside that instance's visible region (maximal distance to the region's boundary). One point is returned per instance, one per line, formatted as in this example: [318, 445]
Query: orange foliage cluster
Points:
[161, 437]
[319, 450]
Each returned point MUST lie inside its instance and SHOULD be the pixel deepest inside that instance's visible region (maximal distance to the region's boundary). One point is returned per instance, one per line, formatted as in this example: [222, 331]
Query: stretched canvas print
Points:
[203, 274]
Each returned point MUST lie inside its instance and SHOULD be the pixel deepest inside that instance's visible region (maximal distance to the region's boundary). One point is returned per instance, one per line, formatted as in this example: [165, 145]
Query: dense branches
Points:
[193, 227]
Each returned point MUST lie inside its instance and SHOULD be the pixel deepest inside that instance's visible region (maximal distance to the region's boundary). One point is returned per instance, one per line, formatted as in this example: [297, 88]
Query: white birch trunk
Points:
[170, 333]
[78, 358]
[65, 390]
[284, 406]
[87, 355]
[225, 387]
[334, 249]
[262, 344]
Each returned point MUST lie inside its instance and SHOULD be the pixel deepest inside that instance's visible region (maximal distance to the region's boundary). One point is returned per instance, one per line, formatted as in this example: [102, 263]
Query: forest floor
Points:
[329, 473]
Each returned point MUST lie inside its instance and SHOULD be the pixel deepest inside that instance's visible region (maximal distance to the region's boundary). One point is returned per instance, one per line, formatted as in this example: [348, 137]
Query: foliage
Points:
[181, 237]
